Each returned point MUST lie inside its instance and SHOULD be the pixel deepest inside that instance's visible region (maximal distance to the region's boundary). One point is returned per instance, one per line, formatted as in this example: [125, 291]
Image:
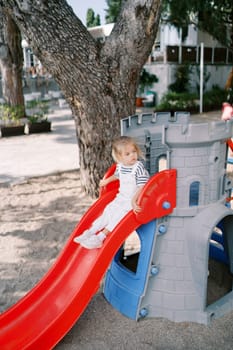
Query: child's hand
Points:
[134, 202]
[106, 181]
[136, 207]
[103, 182]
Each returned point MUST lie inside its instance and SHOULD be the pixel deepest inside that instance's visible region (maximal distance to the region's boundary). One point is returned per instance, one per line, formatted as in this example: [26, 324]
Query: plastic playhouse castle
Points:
[168, 276]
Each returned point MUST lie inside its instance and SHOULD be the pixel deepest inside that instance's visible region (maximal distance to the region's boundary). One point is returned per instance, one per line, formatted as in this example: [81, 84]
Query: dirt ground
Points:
[37, 217]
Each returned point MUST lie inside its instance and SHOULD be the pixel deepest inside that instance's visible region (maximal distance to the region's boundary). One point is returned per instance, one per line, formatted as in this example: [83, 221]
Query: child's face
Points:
[129, 155]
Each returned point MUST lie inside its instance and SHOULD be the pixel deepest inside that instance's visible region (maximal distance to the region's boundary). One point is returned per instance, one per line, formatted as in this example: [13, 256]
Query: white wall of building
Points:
[169, 35]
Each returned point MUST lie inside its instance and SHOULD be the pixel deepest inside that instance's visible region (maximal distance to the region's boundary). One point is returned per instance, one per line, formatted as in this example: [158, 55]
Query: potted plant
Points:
[11, 117]
[37, 122]
[146, 80]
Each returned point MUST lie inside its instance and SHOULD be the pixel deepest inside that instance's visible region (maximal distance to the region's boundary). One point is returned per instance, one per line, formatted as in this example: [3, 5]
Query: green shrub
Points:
[178, 101]
[146, 81]
[182, 79]
[11, 114]
[214, 97]
[173, 101]
[37, 110]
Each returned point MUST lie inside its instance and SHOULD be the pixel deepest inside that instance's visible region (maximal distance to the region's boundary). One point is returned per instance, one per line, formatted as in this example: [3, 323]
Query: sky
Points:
[80, 8]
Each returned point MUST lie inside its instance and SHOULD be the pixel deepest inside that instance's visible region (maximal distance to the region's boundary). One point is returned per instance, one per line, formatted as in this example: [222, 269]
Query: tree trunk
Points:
[11, 63]
[95, 134]
[99, 81]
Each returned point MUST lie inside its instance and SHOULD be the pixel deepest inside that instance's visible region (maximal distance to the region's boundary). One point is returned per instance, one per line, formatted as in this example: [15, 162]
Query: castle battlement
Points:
[180, 128]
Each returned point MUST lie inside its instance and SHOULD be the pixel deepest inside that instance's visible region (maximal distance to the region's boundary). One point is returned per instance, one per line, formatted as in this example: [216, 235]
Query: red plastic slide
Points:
[230, 144]
[42, 318]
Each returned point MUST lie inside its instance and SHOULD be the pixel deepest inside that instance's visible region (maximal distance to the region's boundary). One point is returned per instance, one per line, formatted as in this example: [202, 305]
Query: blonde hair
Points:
[119, 144]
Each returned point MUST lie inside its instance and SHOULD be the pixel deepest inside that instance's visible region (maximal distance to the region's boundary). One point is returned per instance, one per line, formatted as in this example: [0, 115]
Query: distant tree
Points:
[113, 10]
[97, 20]
[92, 20]
[11, 61]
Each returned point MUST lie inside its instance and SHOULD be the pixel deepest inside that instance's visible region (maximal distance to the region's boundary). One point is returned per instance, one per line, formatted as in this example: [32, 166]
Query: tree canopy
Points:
[92, 19]
[212, 16]
[113, 10]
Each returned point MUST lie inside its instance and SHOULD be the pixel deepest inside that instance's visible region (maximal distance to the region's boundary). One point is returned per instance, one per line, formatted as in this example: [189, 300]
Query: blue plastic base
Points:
[217, 247]
[123, 288]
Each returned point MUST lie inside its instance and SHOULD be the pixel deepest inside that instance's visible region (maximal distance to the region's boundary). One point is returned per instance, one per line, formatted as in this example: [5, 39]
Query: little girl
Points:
[132, 176]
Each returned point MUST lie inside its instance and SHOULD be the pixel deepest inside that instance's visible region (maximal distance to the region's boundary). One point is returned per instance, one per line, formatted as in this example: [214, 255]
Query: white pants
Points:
[112, 214]
[121, 204]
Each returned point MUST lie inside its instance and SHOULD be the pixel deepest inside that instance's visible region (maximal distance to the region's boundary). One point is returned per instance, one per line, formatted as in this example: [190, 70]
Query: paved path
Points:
[41, 154]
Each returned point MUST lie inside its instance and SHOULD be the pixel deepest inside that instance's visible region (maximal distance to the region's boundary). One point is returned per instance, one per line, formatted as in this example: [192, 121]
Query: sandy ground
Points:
[37, 216]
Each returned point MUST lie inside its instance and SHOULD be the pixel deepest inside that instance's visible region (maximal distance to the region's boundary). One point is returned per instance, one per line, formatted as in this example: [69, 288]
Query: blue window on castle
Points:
[194, 193]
